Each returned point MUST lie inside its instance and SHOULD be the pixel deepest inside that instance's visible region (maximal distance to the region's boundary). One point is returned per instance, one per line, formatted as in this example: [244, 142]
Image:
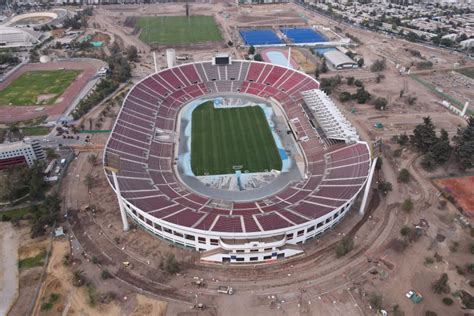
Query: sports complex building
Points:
[179, 160]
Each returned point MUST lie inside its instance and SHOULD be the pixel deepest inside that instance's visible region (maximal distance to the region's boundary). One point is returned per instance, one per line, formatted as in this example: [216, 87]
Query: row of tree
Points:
[437, 150]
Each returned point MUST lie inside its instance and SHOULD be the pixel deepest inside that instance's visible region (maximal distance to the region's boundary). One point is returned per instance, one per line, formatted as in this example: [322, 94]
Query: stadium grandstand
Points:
[141, 164]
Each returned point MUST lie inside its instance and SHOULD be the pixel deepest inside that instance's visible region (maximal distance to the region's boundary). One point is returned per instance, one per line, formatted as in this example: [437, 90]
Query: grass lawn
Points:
[36, 261]
[224, 138]
[169, 30]
[35, 131]
[47, 84]
[468, 72]
[16, 213]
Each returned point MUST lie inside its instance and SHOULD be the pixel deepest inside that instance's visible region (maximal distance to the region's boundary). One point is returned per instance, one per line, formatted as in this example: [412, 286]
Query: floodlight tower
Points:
[112, 164]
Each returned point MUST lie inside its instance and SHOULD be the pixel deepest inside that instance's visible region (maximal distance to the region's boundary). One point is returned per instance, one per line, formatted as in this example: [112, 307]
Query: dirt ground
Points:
[462, 189]
[29, 278]
[75, 301]
[9, 241]
[304, 59]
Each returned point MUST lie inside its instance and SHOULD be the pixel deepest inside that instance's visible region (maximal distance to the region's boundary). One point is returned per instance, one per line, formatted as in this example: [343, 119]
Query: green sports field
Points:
[171, 30]
[224, 138]
[37, 87]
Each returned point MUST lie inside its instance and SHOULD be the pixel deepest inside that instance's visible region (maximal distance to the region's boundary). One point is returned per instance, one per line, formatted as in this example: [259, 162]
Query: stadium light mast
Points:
[112, 165]
[367, 186]
[155, 62]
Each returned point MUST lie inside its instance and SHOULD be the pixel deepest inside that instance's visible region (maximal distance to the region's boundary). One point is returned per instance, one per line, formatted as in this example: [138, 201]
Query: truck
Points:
[414, 296]
[225, 290]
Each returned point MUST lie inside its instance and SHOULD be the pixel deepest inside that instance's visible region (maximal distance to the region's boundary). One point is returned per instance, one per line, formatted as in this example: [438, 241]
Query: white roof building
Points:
[17, 37]
[339, 60]
[25, 151]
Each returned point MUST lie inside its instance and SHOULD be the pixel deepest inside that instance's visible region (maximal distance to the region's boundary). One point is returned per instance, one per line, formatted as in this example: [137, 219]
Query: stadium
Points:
[239, 160]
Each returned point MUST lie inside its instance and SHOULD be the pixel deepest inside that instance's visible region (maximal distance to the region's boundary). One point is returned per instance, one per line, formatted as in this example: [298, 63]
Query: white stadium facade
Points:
[143, 163]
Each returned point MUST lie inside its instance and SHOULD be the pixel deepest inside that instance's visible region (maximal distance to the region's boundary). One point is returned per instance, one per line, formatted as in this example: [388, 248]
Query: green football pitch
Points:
[222, 139]
[170, 30]
[37, 87]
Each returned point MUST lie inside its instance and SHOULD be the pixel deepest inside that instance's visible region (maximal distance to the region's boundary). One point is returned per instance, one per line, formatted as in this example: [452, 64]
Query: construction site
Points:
[95, 268]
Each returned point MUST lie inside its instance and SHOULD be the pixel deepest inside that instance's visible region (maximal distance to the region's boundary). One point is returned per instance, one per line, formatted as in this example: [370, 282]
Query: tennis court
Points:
[260, 37]
[303, 35]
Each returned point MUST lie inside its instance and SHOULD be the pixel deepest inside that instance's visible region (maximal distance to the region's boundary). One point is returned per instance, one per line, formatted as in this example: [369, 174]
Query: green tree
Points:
[441, 150]
[350, 81]
[428, 162]
[464, 145]
[384, 187]
[251, 50]
[378, 65]
[441, 285]
[257, 57]
[132, 53]
[404, 176]
[403, 139]
[424, 135]
[360, 62]
[361, 95]
[36, 181]
[380, 103]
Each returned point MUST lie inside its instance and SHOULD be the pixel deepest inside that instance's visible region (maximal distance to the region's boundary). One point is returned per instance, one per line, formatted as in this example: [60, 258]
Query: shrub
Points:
[407, 205]
[471, 283]
[78, 278]
[344, 96]
[429, 261]
[95, 260]
[105, 275]
[53, 297]
[171, 265]
[460, 270]
[46, 306]
[430, 313]
[448, 301]
[405, 231]
[470, 267]
[358, 83]
[344, 246]
[454, 246]
[471, 248]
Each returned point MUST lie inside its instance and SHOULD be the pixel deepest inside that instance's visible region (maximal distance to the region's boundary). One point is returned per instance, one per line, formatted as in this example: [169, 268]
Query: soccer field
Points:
[37, 87]
[224, 138]
[169, 30]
